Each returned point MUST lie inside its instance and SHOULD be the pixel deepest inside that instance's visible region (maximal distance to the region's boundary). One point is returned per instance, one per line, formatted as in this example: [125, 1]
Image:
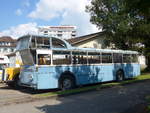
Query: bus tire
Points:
[16, 82]
[66, 82]
[119, 75]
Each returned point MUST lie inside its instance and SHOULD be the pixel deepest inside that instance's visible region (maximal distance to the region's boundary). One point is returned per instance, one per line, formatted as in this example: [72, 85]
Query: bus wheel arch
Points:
[120, 75]
[67, 81]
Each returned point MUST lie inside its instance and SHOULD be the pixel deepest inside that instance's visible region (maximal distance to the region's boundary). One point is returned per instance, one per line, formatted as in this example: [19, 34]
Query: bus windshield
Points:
[27, 57]
[23, 43]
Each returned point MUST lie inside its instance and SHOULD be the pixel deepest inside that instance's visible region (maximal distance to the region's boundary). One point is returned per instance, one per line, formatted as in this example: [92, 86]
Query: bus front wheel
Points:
[67, 82]
[119, 75]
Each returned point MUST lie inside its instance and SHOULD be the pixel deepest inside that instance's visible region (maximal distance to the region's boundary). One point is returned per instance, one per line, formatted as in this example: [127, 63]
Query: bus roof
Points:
[30, 35]
[97, 50]
[69, 47]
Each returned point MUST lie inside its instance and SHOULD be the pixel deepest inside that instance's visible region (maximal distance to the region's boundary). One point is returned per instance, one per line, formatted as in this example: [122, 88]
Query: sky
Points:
[20, 17]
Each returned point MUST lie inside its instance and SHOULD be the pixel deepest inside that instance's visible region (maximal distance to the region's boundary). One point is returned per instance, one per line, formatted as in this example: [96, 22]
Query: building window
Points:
[59, 31]
[59, 35]
[45, 32]
[73, 35]
[12, 50]
[5, 49]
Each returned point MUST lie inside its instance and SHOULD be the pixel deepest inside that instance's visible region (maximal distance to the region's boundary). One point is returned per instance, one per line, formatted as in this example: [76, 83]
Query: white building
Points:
[7, 46]
[64, 32]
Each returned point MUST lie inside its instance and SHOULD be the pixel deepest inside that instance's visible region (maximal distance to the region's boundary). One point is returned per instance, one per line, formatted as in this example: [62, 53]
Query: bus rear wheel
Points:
[119, 75]
[67, 82]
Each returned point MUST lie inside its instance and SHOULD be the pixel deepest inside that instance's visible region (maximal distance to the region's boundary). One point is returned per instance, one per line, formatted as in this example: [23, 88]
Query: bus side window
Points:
[106, 58]
[33, 42]
[43, 42]
[117, 57]
[79, 57]
[56, 43]
[126, 58]
[61, 57]
[134, 58]
[44, 59]
[93, 57]
[33, 53]
[84, 59]
[74, 58]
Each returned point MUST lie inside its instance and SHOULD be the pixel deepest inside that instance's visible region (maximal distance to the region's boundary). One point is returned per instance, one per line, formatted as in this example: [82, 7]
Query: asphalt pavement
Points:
[109, 100]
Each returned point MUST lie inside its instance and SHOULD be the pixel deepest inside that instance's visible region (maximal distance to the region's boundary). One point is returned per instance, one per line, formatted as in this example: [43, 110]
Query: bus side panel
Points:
[46, 78]
[137, 69]
[85, 74]
[82, 73]
[131, 70]
[106, 73]
[88, 74]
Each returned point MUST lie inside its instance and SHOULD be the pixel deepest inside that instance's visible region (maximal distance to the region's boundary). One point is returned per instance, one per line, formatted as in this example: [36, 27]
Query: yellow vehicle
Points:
[12, 72]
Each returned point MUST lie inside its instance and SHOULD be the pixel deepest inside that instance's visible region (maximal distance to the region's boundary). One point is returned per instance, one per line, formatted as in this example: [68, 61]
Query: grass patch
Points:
[94, 87]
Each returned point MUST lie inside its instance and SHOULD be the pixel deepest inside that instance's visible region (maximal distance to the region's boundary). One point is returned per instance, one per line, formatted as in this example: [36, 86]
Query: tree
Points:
[141, 8]
[125, 22]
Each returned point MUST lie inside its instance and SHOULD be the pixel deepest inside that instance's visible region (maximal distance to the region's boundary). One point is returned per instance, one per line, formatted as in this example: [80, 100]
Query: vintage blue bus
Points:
[50, 62]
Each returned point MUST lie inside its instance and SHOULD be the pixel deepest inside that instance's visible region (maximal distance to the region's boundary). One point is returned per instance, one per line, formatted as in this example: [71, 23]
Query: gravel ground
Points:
[8, 94]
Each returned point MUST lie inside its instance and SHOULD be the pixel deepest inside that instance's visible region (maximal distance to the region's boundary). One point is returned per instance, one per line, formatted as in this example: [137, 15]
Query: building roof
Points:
[7, 39]
[80, 39]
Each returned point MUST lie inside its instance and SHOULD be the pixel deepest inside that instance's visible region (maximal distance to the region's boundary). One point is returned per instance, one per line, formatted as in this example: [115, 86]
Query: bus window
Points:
[1, 67]
[127, 58]
[23, 43]
[33, 42]
[117, 57]
[106, 58]
[44, 59]
[61, 57]
[56, 43]
[33, 53]
[26, 57]
[134, 58]
[43, 42]
[46, 42]
[79, 57]
[93, 58]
